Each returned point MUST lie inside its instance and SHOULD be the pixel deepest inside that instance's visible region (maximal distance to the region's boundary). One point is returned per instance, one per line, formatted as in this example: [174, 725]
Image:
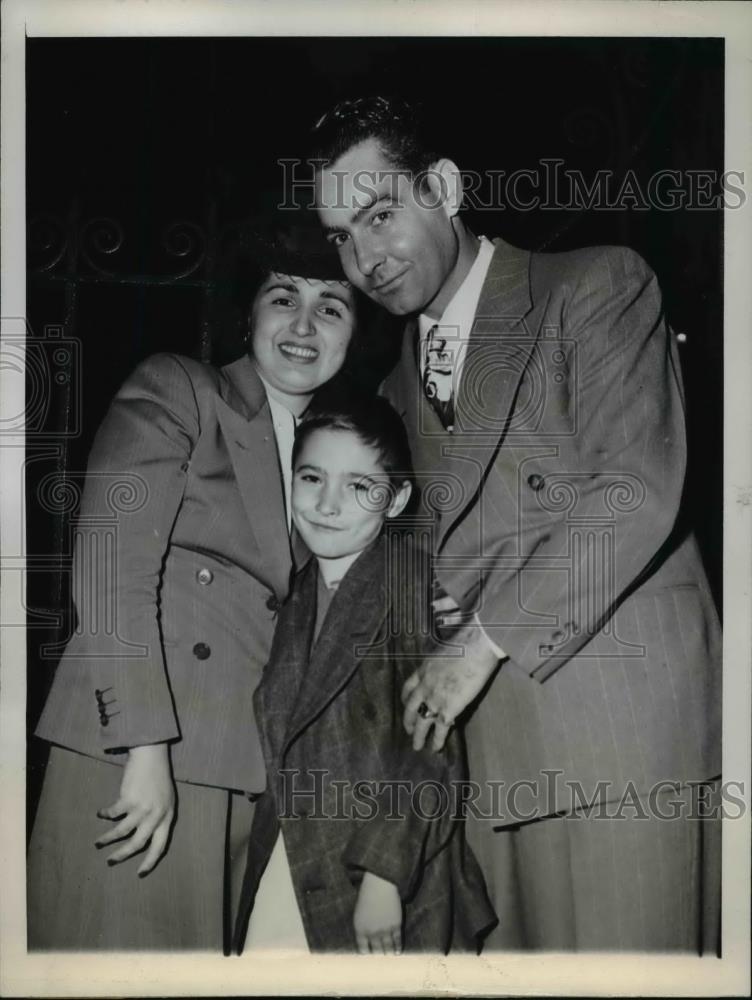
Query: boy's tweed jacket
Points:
[330, 711]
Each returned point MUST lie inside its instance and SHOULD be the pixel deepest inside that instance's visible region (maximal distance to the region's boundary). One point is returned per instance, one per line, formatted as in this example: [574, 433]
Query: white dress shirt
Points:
[456, 322]
[284, 424]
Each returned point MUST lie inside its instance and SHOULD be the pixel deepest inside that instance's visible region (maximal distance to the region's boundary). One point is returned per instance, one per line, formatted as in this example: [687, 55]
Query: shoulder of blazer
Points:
[602, 265]
[236, 383]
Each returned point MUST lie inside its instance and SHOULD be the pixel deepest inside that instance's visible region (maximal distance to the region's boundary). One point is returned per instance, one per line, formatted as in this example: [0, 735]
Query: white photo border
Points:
[142, 974]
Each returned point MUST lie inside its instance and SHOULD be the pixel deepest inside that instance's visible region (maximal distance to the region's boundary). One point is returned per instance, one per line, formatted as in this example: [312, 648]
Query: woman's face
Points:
[300, 329]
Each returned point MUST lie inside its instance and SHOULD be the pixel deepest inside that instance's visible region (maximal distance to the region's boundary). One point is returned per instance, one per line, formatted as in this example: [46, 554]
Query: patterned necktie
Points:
[438, 376]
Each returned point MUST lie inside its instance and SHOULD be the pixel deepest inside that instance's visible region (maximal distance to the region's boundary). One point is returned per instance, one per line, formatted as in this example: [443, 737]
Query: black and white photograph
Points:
[375, 498]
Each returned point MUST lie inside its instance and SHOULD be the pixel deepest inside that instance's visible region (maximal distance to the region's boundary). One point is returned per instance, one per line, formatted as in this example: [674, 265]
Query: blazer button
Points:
[104, 720]
[272, 603]
[201, 651]
[535, 482]
[204, 576]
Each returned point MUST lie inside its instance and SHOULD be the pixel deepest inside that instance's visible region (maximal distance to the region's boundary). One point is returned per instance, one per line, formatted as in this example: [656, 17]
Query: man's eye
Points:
[338, 239]
[283, 300]
[309, 477]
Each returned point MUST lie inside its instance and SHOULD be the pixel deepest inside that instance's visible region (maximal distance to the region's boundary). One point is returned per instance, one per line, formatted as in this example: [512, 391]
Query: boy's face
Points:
[396, 243]
[340, 494]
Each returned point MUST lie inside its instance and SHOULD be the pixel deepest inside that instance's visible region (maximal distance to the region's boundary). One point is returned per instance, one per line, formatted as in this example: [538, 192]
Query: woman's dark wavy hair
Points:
[400, 127]
[376, 424]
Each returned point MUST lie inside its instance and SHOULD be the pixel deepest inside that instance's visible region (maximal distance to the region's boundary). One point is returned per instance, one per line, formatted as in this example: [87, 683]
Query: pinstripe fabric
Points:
[617, 884]
[76, 902]
[198, 557]
[175, 625]
[565, 475]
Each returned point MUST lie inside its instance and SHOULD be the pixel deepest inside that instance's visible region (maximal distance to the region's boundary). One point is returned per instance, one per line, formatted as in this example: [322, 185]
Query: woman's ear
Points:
[443, 187]
[399, 502]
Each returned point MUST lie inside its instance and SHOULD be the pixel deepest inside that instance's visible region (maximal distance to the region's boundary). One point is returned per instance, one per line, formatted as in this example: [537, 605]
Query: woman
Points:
[182, 559]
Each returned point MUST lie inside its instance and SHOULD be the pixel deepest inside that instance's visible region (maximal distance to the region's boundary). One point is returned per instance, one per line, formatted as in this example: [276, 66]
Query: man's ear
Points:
[442, 187]
[400, 500]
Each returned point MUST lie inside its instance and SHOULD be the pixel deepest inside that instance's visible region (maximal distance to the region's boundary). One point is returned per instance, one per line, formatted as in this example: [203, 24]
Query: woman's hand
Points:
[377, 918]
[145, 807]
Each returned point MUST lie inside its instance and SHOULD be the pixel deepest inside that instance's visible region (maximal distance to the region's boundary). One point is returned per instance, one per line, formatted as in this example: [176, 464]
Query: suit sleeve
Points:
[415, 815]
[413, 821]
[588, 532]
[135, 482]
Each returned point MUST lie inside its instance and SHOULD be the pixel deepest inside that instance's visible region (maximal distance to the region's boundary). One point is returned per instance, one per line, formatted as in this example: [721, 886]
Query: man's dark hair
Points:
[375, 422]
[400, 128]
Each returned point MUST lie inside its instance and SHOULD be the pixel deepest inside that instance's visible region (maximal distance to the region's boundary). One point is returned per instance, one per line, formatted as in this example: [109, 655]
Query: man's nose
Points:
[368, 256]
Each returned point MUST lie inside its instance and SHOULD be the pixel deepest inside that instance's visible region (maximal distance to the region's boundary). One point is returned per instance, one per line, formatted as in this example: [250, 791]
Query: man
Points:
[543, 401]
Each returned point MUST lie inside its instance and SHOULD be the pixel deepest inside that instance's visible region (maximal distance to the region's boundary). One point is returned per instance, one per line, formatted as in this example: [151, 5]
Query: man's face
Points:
[395, 240]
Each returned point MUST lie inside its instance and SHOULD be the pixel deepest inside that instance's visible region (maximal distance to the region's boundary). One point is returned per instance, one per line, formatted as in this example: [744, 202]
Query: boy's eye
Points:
[361, 487]
[308, 477]
[337, 239]
[381, 217]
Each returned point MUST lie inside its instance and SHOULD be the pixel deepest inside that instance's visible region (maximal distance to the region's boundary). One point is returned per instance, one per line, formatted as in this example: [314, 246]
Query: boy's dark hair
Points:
[375, 422]
[400, 128]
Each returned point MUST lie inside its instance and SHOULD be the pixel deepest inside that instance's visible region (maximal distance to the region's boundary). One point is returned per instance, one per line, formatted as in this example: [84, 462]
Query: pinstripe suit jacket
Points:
[555, 516]
[182, 556]
[331, 719]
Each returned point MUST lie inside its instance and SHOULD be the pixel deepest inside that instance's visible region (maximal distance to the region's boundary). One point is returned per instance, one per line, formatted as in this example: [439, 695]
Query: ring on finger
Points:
[425, 712]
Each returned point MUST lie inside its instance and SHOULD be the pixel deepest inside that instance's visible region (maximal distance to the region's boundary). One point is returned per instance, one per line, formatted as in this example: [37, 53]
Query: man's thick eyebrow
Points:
[331, 230]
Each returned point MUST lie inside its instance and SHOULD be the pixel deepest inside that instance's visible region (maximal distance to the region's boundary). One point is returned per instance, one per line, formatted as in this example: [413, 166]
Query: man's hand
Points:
[145, 807]
[377, 918]
[445, 686]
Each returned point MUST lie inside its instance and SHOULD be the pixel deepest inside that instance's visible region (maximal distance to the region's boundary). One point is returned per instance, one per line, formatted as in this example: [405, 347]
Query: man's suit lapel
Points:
[245, 419]
[499, 349]
[355, 615]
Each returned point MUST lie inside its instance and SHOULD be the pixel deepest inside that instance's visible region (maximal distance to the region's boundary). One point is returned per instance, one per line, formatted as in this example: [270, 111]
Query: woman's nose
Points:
[302, 323]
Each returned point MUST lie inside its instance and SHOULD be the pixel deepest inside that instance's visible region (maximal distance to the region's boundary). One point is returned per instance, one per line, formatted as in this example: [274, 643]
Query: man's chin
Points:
[399, 305]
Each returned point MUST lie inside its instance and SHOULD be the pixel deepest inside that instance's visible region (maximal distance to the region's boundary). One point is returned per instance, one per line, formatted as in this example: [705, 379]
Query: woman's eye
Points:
[283, 300]
[332, 311]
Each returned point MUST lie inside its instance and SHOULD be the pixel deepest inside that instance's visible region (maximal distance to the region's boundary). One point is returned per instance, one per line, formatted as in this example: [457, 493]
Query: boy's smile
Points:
[341, 495]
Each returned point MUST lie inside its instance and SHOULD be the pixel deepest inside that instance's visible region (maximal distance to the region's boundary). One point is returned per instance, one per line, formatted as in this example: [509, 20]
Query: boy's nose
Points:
[328, 503]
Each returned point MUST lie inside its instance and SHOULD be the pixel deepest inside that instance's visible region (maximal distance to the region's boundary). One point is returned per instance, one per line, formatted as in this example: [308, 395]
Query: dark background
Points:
[127, 137]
